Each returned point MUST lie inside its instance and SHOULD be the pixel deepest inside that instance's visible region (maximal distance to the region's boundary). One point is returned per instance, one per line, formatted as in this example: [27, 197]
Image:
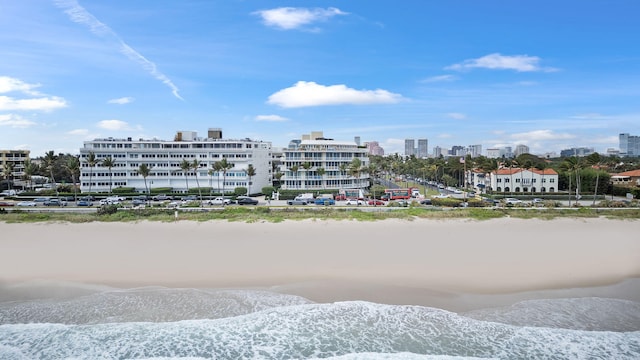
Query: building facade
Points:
[423, 148]
[13, 159]
[164, 158]
[321, 163]
[629, 145]
[521, 149]
[409, 147]
[374, 148]
[523, 180]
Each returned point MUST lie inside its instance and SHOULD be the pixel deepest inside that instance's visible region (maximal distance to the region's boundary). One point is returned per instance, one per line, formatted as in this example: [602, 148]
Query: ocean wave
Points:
[148, 304]
[589, 313]
[310, 331]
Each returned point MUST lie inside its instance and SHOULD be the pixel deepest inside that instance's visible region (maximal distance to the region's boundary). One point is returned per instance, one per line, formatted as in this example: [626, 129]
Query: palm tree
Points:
[29, 170]
[195, 165]
[251, 172]
[7, 172]
[595, 160]
[354, 170]
[91, 161]
[215, 169]
[306, 166]
[145, 170]
[73, 166]
[573, 164]
[321, 171]
[489, 166]
[225, 166]
[185, 166]
[294, 170]
[109, 162]
[49, 160]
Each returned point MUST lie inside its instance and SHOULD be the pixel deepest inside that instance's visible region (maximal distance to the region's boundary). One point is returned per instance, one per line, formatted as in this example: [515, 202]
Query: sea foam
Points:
[309, 331]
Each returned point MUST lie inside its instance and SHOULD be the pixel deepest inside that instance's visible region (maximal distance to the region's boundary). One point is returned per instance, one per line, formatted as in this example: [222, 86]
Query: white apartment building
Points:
[14, 159]
[164, 157]
[523, 180]
[318, 163]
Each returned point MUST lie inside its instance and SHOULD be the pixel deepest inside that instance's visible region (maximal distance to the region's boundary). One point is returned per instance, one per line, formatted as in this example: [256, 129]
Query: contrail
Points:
[80, 15]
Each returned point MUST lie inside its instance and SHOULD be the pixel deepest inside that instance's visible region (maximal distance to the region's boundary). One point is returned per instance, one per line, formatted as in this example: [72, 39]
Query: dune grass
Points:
[279, 214]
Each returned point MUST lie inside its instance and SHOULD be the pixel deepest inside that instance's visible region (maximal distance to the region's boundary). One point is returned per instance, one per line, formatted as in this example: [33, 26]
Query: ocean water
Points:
[164, 323]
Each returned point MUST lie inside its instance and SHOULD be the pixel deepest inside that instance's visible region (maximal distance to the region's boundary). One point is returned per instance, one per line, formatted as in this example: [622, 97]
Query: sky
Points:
[547, 74]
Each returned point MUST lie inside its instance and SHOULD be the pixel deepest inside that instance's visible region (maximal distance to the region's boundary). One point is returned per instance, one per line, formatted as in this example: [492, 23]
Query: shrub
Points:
[268, 190]
[239, 191]
[107, 210]
[448, 202]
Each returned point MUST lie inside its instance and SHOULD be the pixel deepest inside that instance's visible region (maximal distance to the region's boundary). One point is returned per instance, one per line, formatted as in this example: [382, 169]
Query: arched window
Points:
[499, 190]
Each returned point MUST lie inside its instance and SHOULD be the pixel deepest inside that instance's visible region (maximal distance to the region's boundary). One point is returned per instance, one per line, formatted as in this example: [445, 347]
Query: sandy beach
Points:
[446, 263]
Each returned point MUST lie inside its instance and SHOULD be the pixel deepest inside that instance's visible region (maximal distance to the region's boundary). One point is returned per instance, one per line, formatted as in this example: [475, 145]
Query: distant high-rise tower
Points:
[423, 148]
[474, 150]
[409, 147]
[437, 152]
[629, 145]
[357, 140]
[521, 149]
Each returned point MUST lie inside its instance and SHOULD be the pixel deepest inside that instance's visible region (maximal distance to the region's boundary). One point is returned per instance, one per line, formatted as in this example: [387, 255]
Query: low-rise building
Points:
[164, 157]
[319, 163]
[524, 180]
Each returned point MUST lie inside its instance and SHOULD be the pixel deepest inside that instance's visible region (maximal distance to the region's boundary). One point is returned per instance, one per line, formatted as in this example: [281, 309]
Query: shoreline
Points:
[387, 261]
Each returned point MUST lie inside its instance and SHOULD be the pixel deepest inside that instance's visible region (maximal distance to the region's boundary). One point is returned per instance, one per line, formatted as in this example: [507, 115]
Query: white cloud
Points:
[114, 125]
[8, 84]
[79, 132]
[440, 78]
[456, 116]
[305, 93]
[520, 63]
[121, 101]
[15, 121]
[36, 104]
[81, 16]
[288, 18]
[540, 135]
[274, 118]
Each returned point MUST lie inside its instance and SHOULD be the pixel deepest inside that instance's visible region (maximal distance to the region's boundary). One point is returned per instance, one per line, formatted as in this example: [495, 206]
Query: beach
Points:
[451, 264]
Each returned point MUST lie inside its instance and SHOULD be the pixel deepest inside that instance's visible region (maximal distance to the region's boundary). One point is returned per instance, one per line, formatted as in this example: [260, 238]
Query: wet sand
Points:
[451, 264]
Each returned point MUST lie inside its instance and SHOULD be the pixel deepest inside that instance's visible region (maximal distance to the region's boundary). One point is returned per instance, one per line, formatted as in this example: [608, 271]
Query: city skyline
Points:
[547, 75]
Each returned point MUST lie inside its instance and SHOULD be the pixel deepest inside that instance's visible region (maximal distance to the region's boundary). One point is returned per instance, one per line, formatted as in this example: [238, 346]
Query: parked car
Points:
[109, 201]
[536, 201]
[490, 202]
[425, 202]
[162, 197]
[40, 199]
[245, 200]
[324, 201]
[84, 202]
[26, 203]
[297, 201]
[376, 202]
[6, 203]
[55, 202]
[219, 201]
[137, 201]
[354, 202]
[512, 201]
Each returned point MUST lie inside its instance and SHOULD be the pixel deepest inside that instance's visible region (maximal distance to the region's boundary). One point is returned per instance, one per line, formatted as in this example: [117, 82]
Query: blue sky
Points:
[548, 74]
